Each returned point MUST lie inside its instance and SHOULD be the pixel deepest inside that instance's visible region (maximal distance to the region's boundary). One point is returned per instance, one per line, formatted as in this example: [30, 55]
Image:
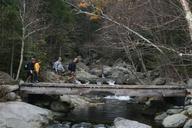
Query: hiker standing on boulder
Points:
[58, 67]
[29, 67]
[72, 69]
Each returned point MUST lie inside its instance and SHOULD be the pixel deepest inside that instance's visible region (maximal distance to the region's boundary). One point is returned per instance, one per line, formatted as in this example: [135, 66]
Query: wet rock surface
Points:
[23, 115]
[174, 121]
[125, 123]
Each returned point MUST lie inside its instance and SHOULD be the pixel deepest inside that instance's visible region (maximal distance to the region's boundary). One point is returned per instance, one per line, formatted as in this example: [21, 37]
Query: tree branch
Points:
[34, 31]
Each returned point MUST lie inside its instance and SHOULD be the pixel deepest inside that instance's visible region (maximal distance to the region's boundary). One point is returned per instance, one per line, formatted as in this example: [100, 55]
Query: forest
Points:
[150, 35]
[96, 64]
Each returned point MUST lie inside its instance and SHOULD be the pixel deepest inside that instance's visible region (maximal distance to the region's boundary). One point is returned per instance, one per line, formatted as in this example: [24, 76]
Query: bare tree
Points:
[30, 23]
[188, 15]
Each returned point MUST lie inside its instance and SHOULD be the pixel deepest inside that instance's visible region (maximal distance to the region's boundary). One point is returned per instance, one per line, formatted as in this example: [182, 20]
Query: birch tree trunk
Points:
[27, 22]
[12, 59]
[22, 17]
[188, 15]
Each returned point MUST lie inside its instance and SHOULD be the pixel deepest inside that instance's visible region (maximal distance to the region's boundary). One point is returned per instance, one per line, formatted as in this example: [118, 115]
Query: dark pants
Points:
[29, 76]
[36, 77]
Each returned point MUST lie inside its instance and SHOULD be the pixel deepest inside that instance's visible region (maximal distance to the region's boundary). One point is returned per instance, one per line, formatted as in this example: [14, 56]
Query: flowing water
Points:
[112, 108]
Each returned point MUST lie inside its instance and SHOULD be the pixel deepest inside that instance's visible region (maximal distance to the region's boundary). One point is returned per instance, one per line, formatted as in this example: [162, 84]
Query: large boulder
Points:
[84, 76]
[75, 100]
[189, 83]
[23, 115]
[188, 124]
[174, 121]
[50, 76]
[159, 81]
[6, 79]
[124, 123]
[189, 111]
[161, 117]
[174, 111]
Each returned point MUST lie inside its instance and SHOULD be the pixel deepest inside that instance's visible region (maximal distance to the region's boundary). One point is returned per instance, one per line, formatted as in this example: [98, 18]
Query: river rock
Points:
[6, 79]
[161, 117]
[189, 83]
[83, 66]
[188, 124]
[2, 123]
[159, 81]
[174, 111]
[60, 106]
[100, 126]
[50, 76]
[17, 123]
[107, 70]
[23, 115]
[61, 125]
[75, 100]
[174, 121]
[189, 111]
[125, 123]
[11, 96]
[82, 125]
[84, 76]
[188, 106]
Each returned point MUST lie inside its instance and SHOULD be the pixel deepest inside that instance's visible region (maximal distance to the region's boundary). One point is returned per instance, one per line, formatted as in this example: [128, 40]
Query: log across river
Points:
[123, 90]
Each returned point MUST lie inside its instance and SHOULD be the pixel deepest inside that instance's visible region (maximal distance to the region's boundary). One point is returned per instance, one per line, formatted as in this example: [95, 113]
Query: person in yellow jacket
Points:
[37, 71]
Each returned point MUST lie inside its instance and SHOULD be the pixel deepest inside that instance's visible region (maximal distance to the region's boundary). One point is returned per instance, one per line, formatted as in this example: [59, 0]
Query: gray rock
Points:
[188, 124]
[174, 111]
[119, 77]
[188, 106]
[189, 83]
[159, 81]
[2, 123]
[63, 125]
[188, 100]
[184, 112]
[19, 114]
[6, 79]
[11, 96]
[161, 117]
[49, 76]
[107, 70]
[17, 123]
[75, 100]
[82, 75]
[96, 71]
[100, 126]
[189, 111]
[174, 121]
[82, 125]
[60, 106]
[124, 123]
[83, 66]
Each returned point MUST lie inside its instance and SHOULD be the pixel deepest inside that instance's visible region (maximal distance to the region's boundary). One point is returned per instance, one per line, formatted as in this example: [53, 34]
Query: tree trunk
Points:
[21, 59]
[188, 15]
[12, 59]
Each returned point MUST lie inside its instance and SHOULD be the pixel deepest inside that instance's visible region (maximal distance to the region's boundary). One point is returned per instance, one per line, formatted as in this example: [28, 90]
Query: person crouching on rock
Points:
[72, 69]
[37, 71]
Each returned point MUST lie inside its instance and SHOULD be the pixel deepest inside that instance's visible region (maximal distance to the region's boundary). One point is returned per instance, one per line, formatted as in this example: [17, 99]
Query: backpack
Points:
[70, 67]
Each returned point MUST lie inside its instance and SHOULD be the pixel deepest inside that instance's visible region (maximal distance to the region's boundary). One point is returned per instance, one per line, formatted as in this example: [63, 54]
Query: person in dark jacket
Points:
[72, 70]
[30, 70]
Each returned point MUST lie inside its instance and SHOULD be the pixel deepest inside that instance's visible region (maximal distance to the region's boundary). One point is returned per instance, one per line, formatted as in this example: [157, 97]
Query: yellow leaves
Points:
[93, 6]
[83, 4]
